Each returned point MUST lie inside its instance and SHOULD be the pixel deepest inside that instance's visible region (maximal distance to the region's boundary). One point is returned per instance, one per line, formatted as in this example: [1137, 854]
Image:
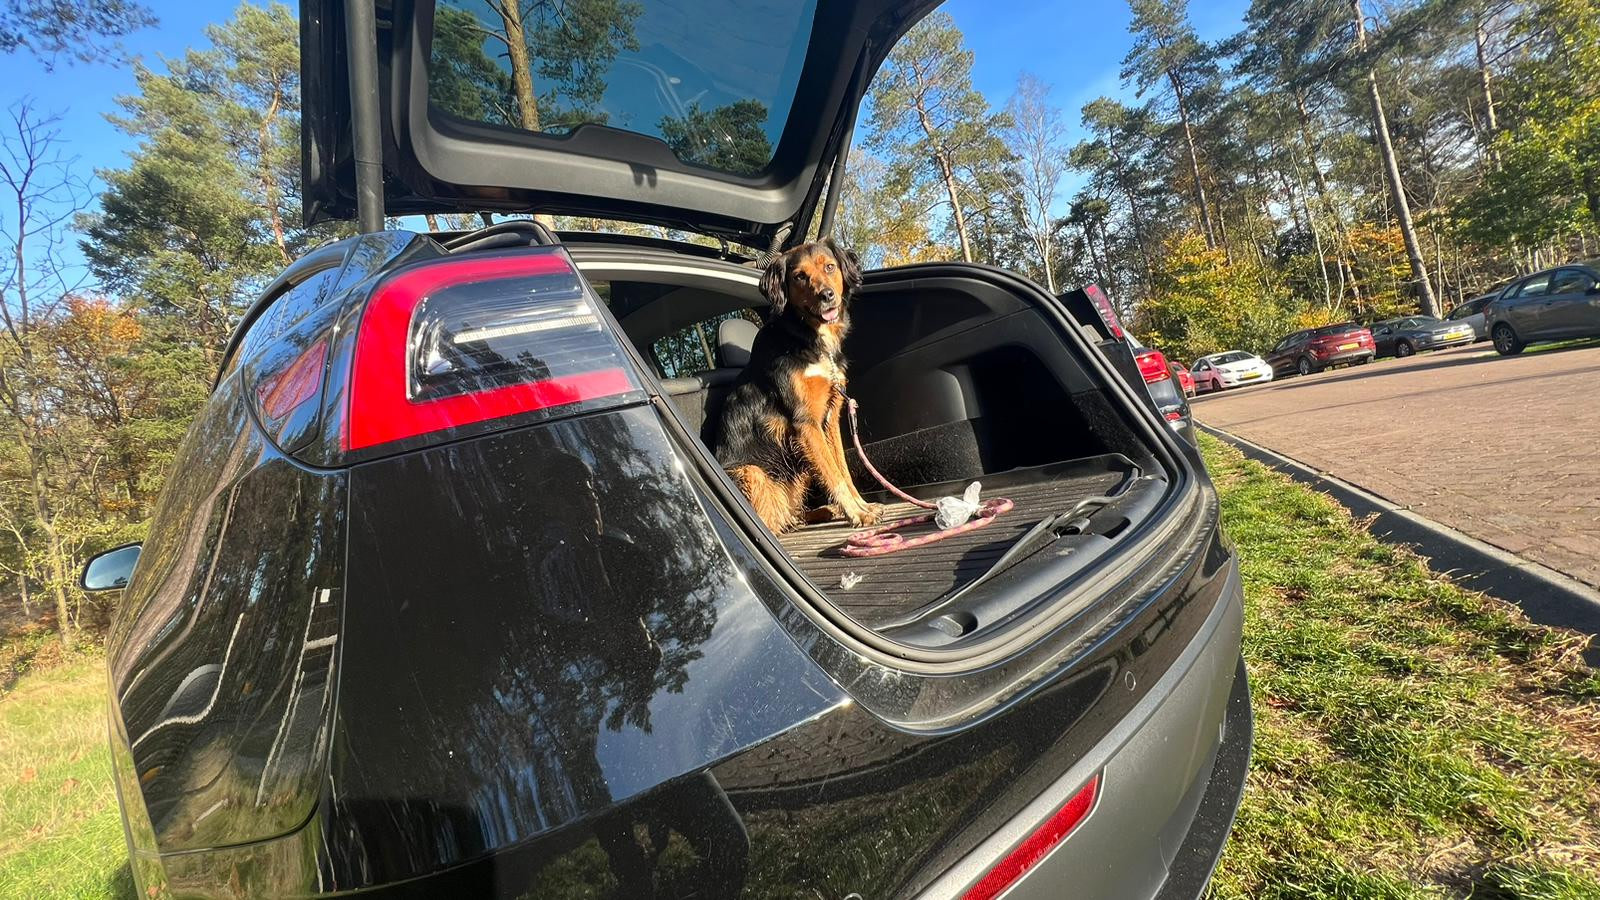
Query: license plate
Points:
[1460, 333]
[1249, 375]
[1348, 346]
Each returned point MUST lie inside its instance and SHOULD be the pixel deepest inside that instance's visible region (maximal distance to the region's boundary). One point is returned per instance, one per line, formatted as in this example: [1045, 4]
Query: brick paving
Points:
[1506, 449]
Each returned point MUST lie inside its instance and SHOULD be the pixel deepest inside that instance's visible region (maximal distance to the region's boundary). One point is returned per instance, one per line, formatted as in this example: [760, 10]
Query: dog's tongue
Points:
[830, 315]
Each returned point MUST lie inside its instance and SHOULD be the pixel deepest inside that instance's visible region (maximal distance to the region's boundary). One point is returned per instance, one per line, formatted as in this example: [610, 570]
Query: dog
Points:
[780, 432]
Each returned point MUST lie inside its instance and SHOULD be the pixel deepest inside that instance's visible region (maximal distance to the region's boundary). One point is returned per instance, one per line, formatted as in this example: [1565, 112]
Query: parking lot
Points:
[1501, 448]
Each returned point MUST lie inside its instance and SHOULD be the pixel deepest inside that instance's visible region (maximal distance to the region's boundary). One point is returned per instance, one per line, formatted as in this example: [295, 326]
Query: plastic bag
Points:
[952, 511]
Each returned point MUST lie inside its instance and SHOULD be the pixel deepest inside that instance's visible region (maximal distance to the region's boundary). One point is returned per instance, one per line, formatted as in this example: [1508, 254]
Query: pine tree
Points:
[931, 123]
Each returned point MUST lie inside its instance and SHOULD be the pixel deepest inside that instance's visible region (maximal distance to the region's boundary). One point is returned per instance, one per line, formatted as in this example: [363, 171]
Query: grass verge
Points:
[60, 835]
[1413, 739]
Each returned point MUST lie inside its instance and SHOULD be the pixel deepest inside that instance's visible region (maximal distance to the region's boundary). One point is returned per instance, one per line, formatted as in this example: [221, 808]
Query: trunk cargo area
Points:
[897, 585]
[961, 376]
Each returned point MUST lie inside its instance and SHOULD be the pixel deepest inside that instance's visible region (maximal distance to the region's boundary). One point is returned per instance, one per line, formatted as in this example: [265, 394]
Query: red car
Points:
[1164, 389]
[1315, 349]
[1185, 380]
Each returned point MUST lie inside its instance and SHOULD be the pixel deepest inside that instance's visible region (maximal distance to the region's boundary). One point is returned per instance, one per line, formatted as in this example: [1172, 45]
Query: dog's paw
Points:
[866, 514]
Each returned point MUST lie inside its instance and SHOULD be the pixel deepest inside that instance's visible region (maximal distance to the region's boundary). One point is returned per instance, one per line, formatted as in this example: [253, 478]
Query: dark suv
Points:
[447, 597]
[1315, 349]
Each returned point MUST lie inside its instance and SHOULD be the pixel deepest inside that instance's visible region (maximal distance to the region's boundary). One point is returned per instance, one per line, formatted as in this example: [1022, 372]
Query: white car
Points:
[1230, 369]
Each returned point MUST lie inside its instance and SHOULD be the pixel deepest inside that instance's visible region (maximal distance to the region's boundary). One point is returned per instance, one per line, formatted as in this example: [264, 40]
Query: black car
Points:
[447, 596]
[1409, 335]
[1553, 305]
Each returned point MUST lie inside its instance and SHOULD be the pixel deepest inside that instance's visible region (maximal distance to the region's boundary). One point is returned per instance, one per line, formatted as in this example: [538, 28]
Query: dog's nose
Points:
[827, 293]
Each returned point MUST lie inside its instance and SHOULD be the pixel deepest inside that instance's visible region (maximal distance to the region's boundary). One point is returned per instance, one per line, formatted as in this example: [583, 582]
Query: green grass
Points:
[60, 835]
[1413, 739]
[1574, 344]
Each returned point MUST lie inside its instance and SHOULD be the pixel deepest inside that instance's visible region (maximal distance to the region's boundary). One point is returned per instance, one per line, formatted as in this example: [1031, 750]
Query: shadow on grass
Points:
[120, 885]
[1561, 346]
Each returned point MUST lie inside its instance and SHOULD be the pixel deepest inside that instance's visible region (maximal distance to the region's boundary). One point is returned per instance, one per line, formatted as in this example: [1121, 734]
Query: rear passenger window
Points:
[694, 348]
[1535, 287]
[1571, 282]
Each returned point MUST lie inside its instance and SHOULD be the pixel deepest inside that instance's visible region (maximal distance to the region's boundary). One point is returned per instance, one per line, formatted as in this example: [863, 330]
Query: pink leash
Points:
[885, 539]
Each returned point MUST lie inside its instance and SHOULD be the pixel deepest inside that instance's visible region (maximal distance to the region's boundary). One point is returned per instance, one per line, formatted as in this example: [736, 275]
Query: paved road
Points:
[1506, 449]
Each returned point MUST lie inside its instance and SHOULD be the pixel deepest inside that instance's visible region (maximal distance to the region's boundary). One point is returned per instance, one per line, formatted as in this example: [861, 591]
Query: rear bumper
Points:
[1171, 778]
[1347, 356]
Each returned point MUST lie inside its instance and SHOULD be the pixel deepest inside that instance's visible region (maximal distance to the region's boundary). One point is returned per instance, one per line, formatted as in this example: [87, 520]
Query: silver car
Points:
[1470, 313]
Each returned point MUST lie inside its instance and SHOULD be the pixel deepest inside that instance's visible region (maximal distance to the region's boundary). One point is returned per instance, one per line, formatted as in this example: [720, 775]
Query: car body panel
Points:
[499, 730]
[1573, 307]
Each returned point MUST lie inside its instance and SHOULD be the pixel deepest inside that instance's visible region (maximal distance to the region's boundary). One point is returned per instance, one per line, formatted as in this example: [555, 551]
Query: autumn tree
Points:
[39, 459]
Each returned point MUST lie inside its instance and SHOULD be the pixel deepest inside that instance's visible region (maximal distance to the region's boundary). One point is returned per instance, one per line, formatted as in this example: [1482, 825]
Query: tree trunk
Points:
[948, 173]
[46, 519]
[1391, 171]
[1133, 212]
[521, 68]
[1491, 123]
[1194, 160]
[954, 190]
[1344, 261]
[269, 188]
[22, 591]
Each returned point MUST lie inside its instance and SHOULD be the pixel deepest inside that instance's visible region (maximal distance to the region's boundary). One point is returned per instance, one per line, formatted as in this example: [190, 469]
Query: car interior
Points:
[958, 377]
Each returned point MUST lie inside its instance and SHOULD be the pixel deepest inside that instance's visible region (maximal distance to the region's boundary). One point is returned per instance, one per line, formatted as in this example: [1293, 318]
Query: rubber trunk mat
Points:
[901, 582]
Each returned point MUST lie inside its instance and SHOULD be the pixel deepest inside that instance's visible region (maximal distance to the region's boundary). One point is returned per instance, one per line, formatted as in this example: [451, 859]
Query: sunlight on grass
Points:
[1413, 739]
[60, 835]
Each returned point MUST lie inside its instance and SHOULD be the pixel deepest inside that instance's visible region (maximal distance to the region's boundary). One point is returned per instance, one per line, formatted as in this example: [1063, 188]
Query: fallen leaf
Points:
[68, 785]
[29, 774]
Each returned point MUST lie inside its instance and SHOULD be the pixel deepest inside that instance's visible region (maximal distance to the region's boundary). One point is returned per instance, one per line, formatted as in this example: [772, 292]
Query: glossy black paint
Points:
[222, 655]
[547, 662]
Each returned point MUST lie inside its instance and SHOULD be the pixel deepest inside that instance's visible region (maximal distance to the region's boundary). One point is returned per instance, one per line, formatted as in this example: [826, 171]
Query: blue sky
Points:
[1076, 47]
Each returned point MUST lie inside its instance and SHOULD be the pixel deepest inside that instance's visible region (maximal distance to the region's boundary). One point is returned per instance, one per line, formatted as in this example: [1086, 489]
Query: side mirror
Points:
[110, 571]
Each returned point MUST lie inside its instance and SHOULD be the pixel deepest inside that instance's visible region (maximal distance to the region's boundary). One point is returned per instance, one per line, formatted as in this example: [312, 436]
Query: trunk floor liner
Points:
[902, 582]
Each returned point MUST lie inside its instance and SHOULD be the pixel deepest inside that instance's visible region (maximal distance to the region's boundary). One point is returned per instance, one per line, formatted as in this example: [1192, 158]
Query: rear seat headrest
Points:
[734, 338]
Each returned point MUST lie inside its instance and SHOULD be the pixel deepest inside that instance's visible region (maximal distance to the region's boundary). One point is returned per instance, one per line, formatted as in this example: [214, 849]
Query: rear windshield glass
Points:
[1341, 328]
[714, 79]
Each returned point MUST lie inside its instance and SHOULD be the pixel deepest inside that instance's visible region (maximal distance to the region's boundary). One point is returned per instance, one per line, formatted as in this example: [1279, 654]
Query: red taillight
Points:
[1037, 845]
[1102, 303]
[458, 342]
[1174, 415]
[299, 381]
[1153, 366]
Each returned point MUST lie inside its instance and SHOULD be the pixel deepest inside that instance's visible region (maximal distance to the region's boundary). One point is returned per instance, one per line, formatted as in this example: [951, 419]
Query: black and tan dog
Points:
[780, 430]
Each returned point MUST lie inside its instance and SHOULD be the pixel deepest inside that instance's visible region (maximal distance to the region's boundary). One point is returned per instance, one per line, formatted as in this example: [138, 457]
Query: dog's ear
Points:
[849, 264]
[772, 283]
